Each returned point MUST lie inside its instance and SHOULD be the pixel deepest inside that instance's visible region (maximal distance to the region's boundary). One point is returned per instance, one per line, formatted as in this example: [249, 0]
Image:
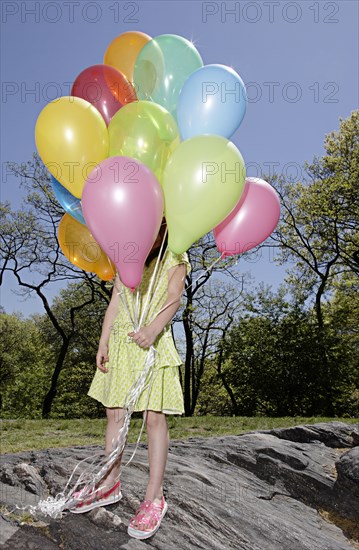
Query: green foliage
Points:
[213, 398]
[318, 231]
[29, 249]
[274, 364]
[333, 196]
[72, 400]
[342, 314]
[26, 361]
[79, 365]
[29, 350]
[272, 359]
[293, 352]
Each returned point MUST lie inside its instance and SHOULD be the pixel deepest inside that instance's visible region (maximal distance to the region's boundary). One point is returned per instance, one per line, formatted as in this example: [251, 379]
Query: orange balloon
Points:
[79, 246]
[123, 51]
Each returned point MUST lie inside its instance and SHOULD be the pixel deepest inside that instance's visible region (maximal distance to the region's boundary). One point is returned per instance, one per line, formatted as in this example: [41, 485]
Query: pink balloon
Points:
[251, 222]
[122, 203]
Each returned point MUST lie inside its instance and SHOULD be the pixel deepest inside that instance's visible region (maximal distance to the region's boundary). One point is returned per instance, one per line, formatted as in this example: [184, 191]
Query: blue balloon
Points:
[71, 204]
[213, 100]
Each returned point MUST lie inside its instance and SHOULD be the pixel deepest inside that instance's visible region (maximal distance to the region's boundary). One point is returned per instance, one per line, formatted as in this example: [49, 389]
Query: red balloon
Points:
[105, 88]
[251, 222]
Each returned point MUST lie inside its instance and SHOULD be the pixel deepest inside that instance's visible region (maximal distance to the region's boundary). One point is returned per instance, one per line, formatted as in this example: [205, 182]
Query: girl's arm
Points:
[146, 336]
[110, 315]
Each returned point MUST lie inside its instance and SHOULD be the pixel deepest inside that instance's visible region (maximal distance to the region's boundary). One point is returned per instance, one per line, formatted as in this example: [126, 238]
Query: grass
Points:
[31, 435]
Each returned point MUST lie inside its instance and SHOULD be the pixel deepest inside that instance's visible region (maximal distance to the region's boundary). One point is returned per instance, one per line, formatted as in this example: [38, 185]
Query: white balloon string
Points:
[124, 301]
[149, 294]
[137, 307]
[134, 308]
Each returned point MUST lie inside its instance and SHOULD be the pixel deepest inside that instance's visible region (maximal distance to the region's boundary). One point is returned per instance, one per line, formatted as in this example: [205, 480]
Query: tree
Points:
[214, 308]
[24, 360]
[342, 313]
[318, 230]
[273, 360]
[30, 250]
[207, 311]
[79, 363]
[333, 194]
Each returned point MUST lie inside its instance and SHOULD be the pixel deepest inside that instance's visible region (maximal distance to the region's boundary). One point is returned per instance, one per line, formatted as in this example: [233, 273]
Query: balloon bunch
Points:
[146, 135]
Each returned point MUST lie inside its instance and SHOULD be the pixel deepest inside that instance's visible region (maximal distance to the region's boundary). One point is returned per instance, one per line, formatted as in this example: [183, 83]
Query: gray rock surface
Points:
[263, 490]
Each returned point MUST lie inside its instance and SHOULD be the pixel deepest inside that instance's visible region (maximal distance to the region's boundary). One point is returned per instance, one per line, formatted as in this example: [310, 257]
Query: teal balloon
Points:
[162, 67]
[213, 100]
[71, 204]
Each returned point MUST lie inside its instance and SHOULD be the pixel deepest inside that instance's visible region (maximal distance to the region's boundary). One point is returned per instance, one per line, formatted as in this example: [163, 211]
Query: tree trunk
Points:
[186, 318]
[188, 368]
[51, 394]
[193, 386]
[329, 407]
[227, 387]
[197, 374]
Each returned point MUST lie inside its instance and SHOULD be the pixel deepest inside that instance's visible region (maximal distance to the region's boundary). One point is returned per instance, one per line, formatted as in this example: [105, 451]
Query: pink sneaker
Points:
[103, 499]
[148, 515]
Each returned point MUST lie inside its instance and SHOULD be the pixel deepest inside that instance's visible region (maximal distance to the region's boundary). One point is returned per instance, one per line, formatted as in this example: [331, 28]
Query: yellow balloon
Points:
[123, 51]
[71, 138]
[81, 249]
[146, 132]
[202, 183]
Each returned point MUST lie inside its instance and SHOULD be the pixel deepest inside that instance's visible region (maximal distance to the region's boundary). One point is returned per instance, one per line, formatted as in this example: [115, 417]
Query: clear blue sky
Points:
[298, 59]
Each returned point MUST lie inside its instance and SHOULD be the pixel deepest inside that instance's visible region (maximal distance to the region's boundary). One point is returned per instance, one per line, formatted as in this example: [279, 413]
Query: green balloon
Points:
[146, 132]
[162, 67]
[202, 183]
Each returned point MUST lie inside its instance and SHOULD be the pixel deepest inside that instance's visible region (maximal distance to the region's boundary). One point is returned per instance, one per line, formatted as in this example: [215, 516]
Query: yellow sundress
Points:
[127, 359]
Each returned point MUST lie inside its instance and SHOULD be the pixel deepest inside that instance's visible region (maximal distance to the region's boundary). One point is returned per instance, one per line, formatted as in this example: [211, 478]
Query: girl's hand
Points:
[145, 337]
[102, 357]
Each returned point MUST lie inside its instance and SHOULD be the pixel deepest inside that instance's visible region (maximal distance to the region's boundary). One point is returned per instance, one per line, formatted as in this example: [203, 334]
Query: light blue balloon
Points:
[162, 67]
[213, 100]
[71, 204]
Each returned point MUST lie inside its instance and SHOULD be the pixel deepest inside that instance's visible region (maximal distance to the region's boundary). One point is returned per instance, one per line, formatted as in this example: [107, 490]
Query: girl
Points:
[121, 357]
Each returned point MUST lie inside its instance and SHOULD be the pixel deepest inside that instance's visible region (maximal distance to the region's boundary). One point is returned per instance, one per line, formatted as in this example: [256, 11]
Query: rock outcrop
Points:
[283, 489]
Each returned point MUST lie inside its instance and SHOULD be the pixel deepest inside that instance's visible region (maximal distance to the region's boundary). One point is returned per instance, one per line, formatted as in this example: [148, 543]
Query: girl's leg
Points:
[115, 417]
[158, 442]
